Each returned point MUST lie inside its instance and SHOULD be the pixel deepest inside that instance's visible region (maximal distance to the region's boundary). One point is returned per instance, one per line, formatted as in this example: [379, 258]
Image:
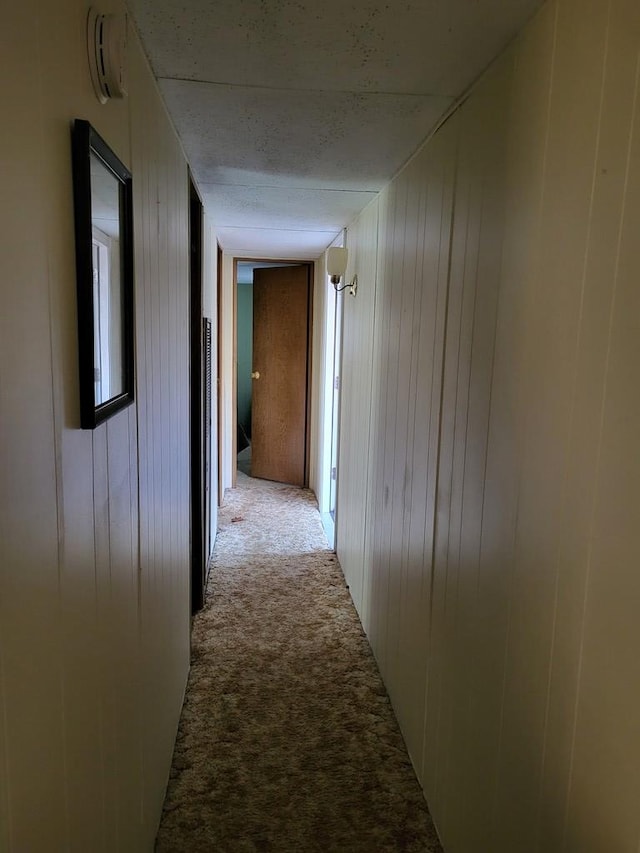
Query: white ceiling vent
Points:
[106, 46]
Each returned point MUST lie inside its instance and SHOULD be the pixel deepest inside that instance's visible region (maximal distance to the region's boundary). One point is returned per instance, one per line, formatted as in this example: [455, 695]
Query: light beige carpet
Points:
[287, 740]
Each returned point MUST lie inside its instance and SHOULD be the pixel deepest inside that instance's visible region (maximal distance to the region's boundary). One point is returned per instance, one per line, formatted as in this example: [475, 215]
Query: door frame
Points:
[219, 376]
[196, 407]
[310, 265]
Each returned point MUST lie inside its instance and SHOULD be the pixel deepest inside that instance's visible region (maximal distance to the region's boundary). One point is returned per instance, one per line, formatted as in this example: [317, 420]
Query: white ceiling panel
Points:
[279, 101]
[298, 209]
[334, 140]
[274, 243]
[416, 46]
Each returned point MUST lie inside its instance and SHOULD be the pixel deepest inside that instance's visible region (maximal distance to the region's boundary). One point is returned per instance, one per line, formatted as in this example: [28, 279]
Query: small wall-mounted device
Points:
[106, 49]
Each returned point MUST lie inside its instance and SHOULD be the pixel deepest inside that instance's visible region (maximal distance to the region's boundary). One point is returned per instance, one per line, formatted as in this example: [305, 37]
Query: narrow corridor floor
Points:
[287, 741]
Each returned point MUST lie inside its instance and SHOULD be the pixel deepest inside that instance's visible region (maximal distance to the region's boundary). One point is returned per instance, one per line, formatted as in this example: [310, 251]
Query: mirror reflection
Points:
[103, 207]
[109, 375]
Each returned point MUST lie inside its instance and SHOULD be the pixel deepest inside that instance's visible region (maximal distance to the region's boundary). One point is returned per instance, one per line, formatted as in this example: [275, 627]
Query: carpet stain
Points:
[287, 741]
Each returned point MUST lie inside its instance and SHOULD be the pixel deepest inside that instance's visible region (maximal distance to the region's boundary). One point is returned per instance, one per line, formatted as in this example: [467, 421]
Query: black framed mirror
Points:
[104, 268]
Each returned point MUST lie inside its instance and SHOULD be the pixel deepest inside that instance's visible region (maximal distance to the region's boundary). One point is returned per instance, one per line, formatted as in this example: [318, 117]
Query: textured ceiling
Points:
[294, 113]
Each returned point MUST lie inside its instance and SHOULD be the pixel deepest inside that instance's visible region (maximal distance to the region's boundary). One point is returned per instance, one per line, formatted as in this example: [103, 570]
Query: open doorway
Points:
[330, 409]
[336, 364]
[244, 364]
[200, 406]
[272, 366]
[218, 378]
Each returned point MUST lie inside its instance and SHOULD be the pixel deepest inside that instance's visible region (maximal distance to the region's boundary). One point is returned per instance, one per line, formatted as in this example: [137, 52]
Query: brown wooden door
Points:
[280, 353]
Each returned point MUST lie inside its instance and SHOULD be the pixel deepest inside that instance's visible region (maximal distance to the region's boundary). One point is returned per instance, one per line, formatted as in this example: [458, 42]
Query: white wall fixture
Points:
[106, 49]
[337, 258]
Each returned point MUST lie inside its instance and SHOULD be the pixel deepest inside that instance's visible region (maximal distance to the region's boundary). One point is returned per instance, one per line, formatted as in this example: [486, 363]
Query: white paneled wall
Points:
[489, 530]
[94, 529]
[163, 387]
[357, 343]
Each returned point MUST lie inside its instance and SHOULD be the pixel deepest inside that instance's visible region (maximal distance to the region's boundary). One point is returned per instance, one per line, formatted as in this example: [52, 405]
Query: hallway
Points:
[287, 741]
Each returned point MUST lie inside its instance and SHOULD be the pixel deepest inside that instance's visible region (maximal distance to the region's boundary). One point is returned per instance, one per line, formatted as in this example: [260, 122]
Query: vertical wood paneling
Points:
[525, 165]
[599, 282]
[381, 492]
[5, 818]
[370, 576]
[124, 644]
[81, 649]
[32, 666]
[386, 566]
[405, 283]
[452, 420]
[502, 444]
[74, 685]
[418, 647]
[356, 377]
[466, 775]
[558, 273]
[370, 474]
[162, 324]
[105, 617]
[81, 653]
[605, 771]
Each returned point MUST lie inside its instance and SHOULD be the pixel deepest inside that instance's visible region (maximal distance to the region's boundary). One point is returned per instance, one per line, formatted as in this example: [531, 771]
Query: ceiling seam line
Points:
[282, 230]
[288, 187]
[306, 91]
